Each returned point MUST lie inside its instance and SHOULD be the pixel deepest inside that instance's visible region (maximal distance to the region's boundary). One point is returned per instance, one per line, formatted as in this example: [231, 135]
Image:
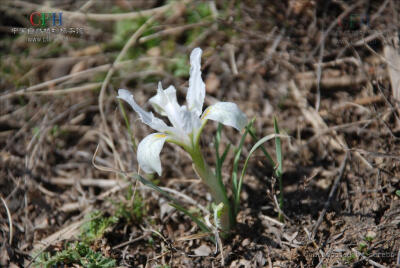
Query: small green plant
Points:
[95, 226]
[179, 67]
[132, 208]
[362, 247]
[348, 259]
[75, 253]
[125, 28]
[398, 193]
[187, 125]
[369, 239]
[198, 12]
[79, 252]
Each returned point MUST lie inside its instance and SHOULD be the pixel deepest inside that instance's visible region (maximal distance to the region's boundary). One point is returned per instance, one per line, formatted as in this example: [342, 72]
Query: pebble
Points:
[245, 242]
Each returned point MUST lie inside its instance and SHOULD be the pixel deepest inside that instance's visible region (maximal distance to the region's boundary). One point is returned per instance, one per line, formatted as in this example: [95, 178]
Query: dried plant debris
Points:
[328, 71]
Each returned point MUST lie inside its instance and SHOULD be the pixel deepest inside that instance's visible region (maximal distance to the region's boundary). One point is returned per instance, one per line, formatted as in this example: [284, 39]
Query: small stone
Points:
[245, 242]
[203, 250]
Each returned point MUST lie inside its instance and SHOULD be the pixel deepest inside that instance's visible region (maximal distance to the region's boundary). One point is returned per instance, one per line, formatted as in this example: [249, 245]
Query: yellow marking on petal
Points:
[206, 113]
[160, 135]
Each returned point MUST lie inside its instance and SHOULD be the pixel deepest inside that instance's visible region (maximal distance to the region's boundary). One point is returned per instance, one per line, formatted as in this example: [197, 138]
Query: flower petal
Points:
[148, 152]
[147, 117]
[197, 90]
[190, 121]
[165, 103]
[227, 113]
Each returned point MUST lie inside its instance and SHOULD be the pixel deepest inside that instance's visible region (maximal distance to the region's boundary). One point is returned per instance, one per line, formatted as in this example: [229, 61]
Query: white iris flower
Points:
[187, 121]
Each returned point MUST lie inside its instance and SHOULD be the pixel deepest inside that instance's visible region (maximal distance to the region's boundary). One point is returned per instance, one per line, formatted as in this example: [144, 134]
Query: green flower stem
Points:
[217, 189]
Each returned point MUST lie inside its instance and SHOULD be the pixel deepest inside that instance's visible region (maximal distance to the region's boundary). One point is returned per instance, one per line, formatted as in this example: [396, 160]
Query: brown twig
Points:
[100, 17]
[131, 241]
[91, 182]
[173, 31]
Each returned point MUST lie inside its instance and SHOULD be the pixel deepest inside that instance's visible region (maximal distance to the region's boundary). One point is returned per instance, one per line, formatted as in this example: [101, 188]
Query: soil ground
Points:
[329, 72]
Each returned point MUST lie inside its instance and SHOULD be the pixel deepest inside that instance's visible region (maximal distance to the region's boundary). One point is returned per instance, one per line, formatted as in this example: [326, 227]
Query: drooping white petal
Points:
[165, 103]
[148, 152]
[147, 117]
[227, 113]
[197, 90]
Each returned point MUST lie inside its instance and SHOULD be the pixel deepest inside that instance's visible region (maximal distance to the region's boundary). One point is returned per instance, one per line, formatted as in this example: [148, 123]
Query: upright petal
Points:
[227, 113]
[147, 117]
[197, 90]
[148, 152]
[165, 103]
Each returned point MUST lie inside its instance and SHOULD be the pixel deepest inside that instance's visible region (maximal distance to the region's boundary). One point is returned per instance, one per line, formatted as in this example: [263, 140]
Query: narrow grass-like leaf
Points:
[225, 153]
[267, 155]
[253, 149]
[278, 148]
[238, 151]
[220, 159]
[218, 164]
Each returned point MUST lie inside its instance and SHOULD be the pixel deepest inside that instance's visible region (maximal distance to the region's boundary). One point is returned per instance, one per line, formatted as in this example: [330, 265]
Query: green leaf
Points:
[267, 155]
[218, 165]
[95, 226]
[225, 153]
[253, 149]
[217, 209]
[75, 253]
[278, 146]
[238, 151]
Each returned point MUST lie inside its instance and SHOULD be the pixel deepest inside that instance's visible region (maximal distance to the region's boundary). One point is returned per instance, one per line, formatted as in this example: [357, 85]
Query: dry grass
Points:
[332, 86]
